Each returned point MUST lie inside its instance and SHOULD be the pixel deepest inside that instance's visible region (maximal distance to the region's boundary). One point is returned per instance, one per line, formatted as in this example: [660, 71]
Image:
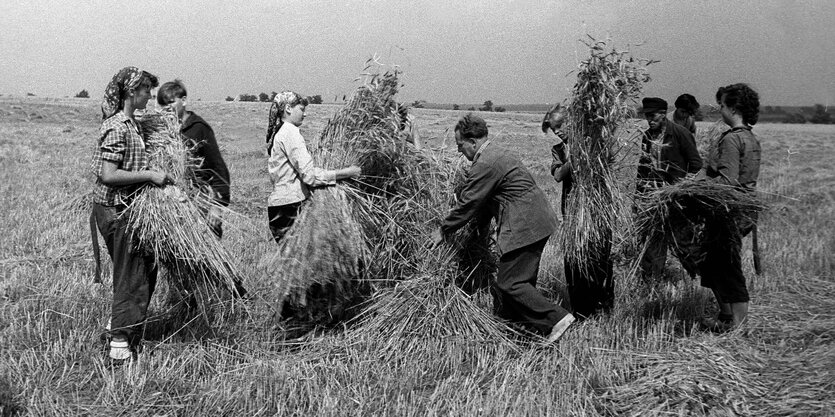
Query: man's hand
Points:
[437, 238]
[213, 218]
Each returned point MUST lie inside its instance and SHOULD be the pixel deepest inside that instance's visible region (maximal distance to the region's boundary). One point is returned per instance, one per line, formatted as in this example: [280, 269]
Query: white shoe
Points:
[560, 328]
[119, 350]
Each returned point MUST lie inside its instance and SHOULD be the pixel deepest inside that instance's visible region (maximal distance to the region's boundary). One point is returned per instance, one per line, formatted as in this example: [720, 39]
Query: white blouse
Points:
[291, 168]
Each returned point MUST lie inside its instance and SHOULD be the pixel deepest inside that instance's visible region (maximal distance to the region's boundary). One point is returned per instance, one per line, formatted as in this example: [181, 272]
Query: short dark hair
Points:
[688, 103]
[471, 126]
[170, 91]
[743, 99]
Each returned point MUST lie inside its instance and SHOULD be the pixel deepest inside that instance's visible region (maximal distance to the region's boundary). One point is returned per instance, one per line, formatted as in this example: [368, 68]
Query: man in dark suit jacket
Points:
[669, 153]
[499, 186]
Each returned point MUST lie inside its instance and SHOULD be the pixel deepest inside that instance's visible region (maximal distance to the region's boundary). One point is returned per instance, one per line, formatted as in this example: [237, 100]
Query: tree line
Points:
[817, 114]
[266, 98]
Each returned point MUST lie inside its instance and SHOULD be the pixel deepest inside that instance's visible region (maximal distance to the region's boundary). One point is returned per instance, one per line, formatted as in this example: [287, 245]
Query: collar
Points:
[480, 149]
[121, 117]
[739, 128]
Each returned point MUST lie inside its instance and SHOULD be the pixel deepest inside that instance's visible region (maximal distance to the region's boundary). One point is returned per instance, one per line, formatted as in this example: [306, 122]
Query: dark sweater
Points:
[212, 170]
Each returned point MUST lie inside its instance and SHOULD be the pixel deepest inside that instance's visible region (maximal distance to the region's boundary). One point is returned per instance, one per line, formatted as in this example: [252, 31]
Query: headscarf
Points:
[281, 102]
[124, 80]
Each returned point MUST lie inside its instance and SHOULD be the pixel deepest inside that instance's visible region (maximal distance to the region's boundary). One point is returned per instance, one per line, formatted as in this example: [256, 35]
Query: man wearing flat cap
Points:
[669, 153]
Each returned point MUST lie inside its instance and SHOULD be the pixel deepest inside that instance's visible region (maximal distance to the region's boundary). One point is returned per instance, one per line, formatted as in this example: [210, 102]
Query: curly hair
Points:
[281, 102]
[743, 99]
[471, 126]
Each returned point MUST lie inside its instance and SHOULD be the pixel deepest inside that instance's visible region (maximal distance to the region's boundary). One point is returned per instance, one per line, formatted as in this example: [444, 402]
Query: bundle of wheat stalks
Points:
[367, 235]
[170, 222]
[599, 112]
[682, 210]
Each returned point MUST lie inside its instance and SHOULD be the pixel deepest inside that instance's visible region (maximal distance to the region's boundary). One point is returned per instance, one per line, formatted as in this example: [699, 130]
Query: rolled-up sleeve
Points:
[111, 149]
[302, 162]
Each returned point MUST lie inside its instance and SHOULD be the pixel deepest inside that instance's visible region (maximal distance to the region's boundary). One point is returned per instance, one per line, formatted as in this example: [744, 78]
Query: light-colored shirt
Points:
[291, 168]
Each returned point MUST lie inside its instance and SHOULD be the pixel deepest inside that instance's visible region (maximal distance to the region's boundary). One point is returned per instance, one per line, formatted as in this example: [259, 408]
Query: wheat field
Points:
[647, 358]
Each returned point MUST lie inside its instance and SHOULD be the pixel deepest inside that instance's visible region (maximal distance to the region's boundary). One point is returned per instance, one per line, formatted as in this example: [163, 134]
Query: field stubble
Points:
[646, 358]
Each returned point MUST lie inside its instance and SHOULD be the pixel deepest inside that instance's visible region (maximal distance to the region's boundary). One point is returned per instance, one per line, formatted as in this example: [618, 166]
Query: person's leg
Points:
[281, 218]
[516, 283]
[725, 313]
[736, 291]
[600, 275]
[654, 257]
[722, 273]
[134, 278]
[579, 289]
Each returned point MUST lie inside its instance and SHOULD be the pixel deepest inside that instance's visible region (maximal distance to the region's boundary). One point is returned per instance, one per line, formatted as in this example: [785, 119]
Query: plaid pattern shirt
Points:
[120, 142]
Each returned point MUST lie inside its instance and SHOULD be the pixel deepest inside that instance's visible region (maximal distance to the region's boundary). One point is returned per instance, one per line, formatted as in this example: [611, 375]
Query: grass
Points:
[646, 358]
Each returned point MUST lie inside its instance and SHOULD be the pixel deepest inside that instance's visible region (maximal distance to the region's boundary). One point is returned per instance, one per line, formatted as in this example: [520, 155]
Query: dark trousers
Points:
[134, 275]
[721, 269]
[281, 218]
[591, 286]
[655, 255]
[515, 297]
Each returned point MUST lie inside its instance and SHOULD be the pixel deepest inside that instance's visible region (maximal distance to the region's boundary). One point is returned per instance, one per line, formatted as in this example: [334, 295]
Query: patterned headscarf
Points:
[281, 102]
[124, 80]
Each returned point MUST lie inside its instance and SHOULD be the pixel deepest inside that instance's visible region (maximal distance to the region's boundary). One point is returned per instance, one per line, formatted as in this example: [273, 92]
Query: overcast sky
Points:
[450, 51]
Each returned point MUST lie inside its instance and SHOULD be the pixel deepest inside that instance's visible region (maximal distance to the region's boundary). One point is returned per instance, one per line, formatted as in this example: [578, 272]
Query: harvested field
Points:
[647, 358]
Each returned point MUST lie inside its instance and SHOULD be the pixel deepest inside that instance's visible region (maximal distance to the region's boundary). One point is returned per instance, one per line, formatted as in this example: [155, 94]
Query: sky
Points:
[465, 52]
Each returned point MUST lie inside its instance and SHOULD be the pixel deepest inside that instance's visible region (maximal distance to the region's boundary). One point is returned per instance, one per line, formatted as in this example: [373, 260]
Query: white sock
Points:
[119, 349]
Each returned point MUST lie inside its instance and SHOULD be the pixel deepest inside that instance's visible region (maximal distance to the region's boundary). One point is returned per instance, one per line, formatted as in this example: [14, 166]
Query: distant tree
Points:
[82, 94]
[499, 109]
[778, 109]
[488, 106]
[30, 95]
[272, 95]
[455, 107]
[794, 118]
[247, 97]
[419, 104]
[228, 98]
[768, 109]
[264, 97]
[471, 108]
[317, 99]
[821, 116]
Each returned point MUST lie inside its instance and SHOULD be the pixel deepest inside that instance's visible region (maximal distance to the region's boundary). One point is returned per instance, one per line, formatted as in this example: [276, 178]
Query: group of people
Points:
[498, 186]
[120, 165]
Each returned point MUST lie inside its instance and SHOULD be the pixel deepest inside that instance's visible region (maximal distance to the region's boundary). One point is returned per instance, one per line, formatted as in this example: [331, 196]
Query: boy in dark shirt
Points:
[212, 171]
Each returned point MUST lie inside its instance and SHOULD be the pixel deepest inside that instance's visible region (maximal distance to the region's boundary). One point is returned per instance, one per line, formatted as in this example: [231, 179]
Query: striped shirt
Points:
[120, 142]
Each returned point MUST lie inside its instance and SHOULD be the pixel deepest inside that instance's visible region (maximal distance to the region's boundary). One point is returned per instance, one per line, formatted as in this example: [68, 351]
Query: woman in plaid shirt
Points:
[120, 164]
